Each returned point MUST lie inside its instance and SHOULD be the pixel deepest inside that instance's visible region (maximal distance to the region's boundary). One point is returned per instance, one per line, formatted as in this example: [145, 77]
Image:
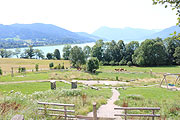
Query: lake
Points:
[50, 49]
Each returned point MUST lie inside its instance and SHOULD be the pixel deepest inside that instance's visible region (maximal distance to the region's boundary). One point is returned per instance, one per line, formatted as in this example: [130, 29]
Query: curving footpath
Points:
[107, 110]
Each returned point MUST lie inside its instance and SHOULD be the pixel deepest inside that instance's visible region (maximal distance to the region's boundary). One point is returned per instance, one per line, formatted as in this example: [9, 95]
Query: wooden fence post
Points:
[125, 114]
[153, 114]
[65, 114]
[94, 112]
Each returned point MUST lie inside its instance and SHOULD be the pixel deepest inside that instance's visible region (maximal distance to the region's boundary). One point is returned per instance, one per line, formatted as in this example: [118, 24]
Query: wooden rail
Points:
[65, 111]
[153, 115]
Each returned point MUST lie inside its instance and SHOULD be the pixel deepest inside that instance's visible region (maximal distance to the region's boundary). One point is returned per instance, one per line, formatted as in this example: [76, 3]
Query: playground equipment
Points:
[168, 74]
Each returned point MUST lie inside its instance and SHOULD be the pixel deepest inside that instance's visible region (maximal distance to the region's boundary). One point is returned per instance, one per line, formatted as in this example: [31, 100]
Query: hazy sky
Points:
[87, 15]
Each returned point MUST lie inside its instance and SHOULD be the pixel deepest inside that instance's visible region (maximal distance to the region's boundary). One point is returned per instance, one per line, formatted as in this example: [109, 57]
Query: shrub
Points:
[51, 65]
[21, 69]
[123, 62]
[112, 63]
[62, 67]
[129, 63]
[1, 71]
[92, 64]
[37, 67]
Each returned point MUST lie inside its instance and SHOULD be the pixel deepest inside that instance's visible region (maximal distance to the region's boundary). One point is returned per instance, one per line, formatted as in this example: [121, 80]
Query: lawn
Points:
[167, 100]
[29, 88]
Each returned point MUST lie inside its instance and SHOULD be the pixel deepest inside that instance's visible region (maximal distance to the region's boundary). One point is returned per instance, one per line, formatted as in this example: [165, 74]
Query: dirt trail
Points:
[107, 110]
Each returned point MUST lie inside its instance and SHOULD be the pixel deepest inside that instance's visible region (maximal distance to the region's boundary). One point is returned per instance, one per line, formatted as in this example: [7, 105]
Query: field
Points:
[7, 63]
[26, 95]
[167, 100]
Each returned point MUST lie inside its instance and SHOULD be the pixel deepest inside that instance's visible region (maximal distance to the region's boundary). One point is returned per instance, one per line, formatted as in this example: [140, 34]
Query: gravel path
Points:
[107, 110]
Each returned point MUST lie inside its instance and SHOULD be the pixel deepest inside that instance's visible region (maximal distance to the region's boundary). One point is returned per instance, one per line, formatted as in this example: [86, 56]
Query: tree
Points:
[38, 53]
[29, 52]
[87, 51]
[130, 48]
[174, 4]
[17, 52]
[77, 56]
[49, 56]
[177, 55]
[171, 43]
[66, 52]
[97, 50]
[92, 64]
[2, 53]
[57, 54]
[150, 53]
[8, 53]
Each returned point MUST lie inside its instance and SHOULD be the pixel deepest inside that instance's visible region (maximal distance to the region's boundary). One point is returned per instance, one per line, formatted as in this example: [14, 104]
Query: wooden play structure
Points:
[169, 74]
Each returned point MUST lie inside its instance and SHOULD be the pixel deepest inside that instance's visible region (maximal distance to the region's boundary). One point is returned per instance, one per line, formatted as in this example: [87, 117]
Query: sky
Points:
[87, 15]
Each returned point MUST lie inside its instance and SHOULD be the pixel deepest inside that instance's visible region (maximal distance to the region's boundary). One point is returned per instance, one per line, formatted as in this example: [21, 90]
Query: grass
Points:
[26, 104]
[167, 100]
[25, 77]
[29, 88]
[161, 69]
[7, 63]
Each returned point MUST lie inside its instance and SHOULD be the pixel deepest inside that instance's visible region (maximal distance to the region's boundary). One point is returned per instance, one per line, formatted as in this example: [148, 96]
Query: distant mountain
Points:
[84, 34]
[125, 34]
[165, 32]
[38, 32]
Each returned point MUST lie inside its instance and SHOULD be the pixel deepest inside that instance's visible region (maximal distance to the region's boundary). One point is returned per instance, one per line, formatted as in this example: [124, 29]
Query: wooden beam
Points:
[137, 108]
[139, 115]
[56, 104]
[59, 110]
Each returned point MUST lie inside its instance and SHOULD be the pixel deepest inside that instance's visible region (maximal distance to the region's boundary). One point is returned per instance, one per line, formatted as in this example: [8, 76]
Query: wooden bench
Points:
[65, 111]
[153, 115]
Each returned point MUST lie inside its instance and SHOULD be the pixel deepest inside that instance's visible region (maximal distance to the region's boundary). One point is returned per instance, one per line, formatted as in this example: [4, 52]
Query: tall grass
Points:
[167, 100]
[27, 103]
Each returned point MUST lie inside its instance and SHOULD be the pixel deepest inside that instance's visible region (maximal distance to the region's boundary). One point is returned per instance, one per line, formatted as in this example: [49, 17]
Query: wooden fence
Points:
[153, 115]
[65, 111]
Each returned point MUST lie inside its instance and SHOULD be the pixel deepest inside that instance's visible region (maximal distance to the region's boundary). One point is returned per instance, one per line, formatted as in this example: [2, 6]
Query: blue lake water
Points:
[50, 49]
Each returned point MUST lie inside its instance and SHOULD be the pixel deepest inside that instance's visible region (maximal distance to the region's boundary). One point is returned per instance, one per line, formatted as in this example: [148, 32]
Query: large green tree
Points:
[130, 48]
[57, 54]
[97, 50]
[66, 52]
[87, 51]
[77, 56]
[29, 53]
[151, 52]
[177, 55]
[171, 43]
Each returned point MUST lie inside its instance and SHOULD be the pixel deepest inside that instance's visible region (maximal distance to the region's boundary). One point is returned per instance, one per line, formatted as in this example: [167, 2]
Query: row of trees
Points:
[151, 52]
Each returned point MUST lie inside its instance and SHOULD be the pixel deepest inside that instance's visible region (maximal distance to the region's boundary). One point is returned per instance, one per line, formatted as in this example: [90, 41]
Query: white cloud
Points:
[87, 15]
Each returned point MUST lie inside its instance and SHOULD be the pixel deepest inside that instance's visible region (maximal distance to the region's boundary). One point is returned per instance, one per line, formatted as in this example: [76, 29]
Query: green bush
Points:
[62, 67]
[129, 63]
[1, 71]
[112, 63]
[21, 69]
[123, 62]
[51, 65]
[37, 67]
[92, 64]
